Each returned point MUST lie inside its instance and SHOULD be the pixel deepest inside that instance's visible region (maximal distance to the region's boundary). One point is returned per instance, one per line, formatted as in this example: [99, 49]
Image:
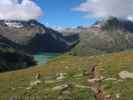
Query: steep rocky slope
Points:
[106, 36]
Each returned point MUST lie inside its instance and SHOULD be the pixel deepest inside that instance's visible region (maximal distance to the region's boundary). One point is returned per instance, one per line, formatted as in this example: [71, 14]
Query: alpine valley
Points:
[94, 62]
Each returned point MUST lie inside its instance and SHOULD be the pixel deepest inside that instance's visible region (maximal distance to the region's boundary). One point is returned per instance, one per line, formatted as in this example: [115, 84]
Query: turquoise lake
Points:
[43, 58]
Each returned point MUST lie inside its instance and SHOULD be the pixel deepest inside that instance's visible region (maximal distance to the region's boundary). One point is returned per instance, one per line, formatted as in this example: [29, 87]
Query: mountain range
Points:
[33, 37]
[106, 36]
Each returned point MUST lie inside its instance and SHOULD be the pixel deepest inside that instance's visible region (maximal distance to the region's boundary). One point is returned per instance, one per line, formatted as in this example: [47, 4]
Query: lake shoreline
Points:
[44, 57]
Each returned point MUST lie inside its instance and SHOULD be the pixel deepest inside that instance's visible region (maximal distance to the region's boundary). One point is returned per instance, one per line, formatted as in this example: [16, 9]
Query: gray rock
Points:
[82, 87]
[35, 83]
[61, 76]
[126, 75]
[60, 87]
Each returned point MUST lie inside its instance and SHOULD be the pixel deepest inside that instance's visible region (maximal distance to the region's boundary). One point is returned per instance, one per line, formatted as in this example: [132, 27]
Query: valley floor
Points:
[103, 77]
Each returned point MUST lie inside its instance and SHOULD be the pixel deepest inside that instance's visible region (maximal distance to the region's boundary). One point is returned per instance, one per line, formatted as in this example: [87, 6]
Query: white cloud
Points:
[106, 8]
[14, 10]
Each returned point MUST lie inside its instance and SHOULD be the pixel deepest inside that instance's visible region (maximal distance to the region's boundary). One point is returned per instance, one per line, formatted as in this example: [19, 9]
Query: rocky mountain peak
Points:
[115, 24]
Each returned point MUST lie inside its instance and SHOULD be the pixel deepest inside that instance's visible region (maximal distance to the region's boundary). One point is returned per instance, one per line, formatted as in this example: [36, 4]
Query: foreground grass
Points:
[16, 83]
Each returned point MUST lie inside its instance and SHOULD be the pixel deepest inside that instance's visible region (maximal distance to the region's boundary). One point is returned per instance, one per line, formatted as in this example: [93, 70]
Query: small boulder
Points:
[60, 76]
[29, 88]
[82, 87]
[61, 87]
[95, 79]
[66, 93]
[117, 96]
[126, 75]
[34, 83]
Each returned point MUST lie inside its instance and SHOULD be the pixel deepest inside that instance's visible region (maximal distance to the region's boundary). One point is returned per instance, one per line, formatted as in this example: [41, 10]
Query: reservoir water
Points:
[43, 58]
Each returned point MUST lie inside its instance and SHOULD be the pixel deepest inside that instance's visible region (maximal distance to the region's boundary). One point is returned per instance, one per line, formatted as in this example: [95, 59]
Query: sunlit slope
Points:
[71, 78]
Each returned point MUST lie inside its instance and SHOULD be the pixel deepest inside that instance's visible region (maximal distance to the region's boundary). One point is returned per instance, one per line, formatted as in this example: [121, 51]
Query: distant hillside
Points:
[34, 37]
[106, 36]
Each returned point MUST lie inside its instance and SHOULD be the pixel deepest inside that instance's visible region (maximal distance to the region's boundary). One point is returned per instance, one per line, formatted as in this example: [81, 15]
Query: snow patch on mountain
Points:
[14, 24]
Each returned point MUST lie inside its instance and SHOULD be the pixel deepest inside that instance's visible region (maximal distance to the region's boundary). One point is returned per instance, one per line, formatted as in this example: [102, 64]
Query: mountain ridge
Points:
[32, 35]
[111, 35]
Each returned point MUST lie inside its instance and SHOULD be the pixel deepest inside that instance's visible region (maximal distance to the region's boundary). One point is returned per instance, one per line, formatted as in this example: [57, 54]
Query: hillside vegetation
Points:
[11, 59]
[73, 78]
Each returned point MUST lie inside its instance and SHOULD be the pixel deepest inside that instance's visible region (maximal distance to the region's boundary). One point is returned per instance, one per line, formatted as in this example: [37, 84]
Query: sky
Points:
[19, 10]
[105, 8]
[60, 13]
[65, 13]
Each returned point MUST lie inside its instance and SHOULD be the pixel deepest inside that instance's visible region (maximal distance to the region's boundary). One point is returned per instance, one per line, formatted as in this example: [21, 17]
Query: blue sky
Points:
[59, 13]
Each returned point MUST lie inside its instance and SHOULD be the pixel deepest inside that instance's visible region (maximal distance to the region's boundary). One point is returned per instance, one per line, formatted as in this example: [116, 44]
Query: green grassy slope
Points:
[75, 85]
